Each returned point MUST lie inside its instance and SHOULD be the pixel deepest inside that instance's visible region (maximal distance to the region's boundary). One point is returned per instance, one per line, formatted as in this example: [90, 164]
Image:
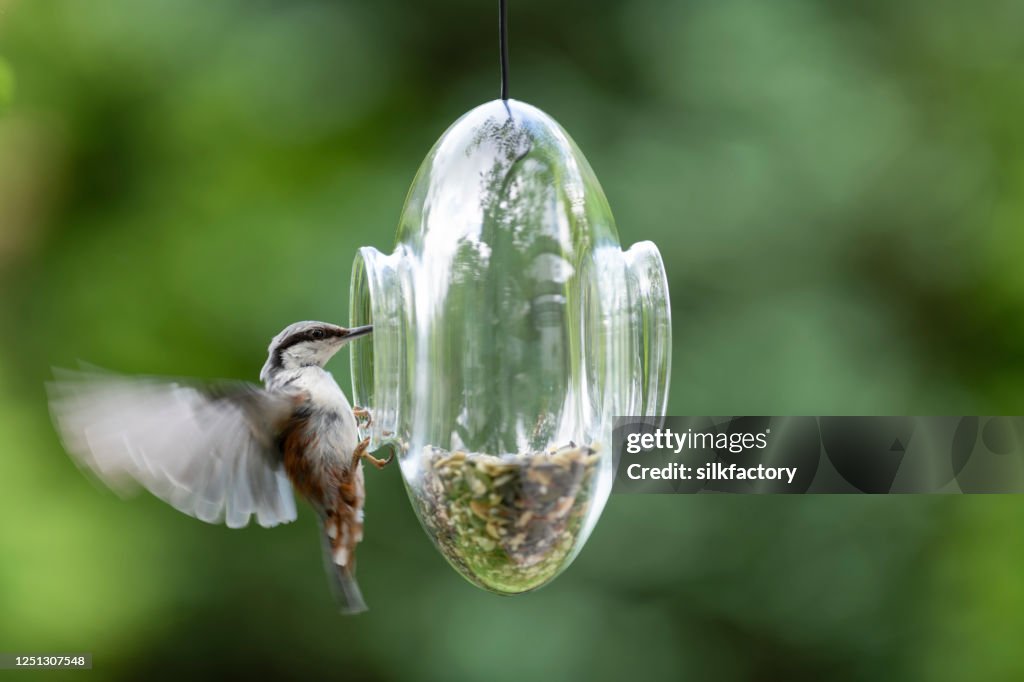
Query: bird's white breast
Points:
[330, 414]
[323, 390]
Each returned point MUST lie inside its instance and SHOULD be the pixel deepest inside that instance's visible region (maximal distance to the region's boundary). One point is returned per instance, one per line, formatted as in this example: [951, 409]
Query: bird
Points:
[228, 451]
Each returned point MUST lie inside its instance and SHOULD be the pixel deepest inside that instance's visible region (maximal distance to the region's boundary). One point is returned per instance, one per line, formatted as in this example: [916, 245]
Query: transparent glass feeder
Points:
[510, 328]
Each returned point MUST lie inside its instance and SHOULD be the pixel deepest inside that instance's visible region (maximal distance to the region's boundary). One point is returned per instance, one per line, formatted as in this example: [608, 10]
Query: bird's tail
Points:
[342, 580]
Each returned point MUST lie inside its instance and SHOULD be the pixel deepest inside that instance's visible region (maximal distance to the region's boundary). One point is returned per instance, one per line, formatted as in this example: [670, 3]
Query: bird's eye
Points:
[318, 334]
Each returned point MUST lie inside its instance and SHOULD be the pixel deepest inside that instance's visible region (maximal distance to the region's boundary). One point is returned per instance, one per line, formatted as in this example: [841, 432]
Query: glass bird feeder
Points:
[509, 329]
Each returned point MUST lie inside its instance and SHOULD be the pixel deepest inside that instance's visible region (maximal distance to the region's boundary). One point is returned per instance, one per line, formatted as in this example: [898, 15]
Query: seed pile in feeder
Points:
[509, 522]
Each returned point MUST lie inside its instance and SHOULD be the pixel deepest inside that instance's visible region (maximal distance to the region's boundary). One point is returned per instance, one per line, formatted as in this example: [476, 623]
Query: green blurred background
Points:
[838, 192]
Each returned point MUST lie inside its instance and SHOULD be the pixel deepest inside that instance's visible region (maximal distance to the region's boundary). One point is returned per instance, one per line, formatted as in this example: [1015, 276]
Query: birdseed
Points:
[508, 523]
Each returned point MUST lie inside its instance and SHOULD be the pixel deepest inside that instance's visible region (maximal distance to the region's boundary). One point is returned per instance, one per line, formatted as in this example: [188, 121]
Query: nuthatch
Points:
[228, 451]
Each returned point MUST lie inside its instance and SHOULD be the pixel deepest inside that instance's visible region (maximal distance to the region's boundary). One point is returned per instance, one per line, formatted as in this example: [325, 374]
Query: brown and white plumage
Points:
[232, 451]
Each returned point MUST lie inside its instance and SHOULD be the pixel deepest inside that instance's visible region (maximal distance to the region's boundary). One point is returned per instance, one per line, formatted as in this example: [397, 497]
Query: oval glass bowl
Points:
[510, 328]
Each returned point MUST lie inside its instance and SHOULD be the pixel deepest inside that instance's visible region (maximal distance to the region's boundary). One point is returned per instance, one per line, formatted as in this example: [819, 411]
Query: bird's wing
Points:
[209, 452]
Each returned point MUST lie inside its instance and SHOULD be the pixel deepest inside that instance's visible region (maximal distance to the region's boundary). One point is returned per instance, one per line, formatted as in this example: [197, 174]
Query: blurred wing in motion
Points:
[209, 452]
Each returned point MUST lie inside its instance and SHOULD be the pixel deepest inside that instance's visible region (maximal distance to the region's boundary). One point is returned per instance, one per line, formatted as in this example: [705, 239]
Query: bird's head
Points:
[306, 344]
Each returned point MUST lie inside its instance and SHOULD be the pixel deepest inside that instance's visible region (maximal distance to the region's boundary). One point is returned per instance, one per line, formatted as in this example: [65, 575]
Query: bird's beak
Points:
[358, 331]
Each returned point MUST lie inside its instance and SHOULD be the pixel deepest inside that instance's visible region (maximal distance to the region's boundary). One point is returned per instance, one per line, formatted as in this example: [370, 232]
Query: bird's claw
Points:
[377, 462]
[362, 415]
[360, 453]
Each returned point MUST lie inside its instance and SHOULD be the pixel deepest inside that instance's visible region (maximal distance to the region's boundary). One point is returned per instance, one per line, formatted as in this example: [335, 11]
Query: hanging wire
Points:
[503, 43]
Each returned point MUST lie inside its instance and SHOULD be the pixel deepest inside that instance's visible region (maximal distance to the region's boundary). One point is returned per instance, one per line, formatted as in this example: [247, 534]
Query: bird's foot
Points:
[361, 453]
[377, 462]
[363, 416]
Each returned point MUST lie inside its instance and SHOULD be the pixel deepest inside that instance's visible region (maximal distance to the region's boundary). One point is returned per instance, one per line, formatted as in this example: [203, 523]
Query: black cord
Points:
[503, 43]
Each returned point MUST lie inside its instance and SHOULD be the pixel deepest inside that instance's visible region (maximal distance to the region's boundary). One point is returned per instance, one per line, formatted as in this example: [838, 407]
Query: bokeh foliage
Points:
[838, 192]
